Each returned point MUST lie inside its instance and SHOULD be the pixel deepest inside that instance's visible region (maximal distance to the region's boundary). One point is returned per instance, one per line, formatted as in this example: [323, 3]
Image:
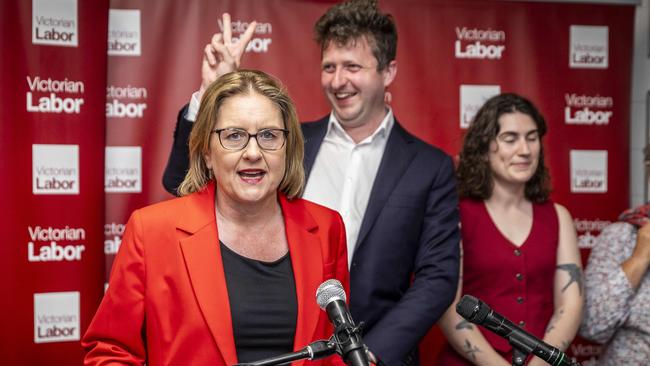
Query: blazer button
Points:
[517, 252]
[519, 276]
[522, 323]
[520, 299]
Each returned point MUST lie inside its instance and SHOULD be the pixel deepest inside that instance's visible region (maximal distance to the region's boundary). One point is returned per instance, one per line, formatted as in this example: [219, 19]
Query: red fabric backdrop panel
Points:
[52, 137]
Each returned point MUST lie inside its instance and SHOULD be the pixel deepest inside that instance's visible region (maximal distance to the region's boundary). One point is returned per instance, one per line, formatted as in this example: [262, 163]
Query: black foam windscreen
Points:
[467, 306]
[472, 309]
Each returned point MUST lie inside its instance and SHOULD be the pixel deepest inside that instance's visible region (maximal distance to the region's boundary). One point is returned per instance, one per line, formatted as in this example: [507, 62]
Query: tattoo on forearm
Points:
[565, 345]
[464, 324]
[575, 275]
[470, 350]
[554, 320]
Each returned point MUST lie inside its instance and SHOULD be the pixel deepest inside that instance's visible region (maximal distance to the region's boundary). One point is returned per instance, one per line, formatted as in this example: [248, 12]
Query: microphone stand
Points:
[518, 356]
[314, 351]
[520, 351]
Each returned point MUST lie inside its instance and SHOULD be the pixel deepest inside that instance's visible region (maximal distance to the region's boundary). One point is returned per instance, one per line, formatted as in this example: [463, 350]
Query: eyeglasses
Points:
[268, 139]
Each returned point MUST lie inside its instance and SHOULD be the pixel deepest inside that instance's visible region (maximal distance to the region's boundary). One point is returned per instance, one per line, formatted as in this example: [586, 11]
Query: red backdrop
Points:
[573, 61]
[52, 138]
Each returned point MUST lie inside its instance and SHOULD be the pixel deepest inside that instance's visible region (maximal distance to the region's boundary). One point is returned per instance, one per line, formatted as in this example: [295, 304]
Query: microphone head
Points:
[472, 309]
[483, 312]
[329, 291]
[467, 307]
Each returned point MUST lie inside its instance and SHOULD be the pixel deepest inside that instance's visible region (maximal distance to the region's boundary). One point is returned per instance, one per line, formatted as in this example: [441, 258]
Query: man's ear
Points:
[389, 73]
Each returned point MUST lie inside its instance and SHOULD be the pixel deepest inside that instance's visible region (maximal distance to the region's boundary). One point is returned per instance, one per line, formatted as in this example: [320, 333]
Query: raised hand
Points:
[223, 55]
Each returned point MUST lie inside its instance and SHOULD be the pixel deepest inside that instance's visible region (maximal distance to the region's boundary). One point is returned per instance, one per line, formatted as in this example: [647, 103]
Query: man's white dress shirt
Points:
[344, 172]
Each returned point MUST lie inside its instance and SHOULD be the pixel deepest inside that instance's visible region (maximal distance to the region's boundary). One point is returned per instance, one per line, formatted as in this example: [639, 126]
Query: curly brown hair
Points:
[351, 20]
[474, 174]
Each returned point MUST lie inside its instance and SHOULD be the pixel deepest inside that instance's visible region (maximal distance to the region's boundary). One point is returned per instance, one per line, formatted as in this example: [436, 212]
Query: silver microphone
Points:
[330, 296]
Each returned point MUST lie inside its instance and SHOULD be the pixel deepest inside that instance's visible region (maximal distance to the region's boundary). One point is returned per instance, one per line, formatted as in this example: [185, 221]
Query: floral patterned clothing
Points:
[616, 314]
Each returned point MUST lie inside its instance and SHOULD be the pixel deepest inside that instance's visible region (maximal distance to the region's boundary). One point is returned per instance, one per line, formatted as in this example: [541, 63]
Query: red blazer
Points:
[167, 302]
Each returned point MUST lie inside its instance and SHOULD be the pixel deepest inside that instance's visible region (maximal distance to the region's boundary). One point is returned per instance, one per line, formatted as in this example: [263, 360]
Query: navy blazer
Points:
[404, 271]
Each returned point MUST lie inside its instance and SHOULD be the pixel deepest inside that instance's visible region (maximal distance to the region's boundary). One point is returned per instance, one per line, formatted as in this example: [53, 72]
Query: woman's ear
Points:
[207, 161]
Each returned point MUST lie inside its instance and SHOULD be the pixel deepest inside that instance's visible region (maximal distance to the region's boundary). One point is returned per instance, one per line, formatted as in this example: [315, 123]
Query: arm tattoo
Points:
[575, 275]
[565, 345]
[464, 324]
[554, 320]
[471, 350]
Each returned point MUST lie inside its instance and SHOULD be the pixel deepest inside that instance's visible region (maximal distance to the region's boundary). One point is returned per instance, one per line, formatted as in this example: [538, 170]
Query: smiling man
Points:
[396, 194]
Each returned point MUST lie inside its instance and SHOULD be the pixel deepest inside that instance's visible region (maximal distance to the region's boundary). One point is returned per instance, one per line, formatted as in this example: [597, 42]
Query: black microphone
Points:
[477, 312]
[330, 296]
[314, 351]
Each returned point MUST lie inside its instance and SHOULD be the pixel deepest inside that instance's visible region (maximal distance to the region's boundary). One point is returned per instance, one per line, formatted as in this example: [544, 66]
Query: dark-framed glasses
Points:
[268, 139]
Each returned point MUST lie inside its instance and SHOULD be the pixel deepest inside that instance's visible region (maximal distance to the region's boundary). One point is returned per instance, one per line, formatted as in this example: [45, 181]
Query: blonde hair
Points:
[244, 82]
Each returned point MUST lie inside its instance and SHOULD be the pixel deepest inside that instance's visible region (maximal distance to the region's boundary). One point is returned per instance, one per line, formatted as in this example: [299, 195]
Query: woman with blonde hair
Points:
[228, 272]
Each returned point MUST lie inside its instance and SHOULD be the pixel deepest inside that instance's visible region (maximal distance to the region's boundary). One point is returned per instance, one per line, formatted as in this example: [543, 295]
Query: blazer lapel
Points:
[307, 262]
[202, 256]
[314, 133]
[397, 156]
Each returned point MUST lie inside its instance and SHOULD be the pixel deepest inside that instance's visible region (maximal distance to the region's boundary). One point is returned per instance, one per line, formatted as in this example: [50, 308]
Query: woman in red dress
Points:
[520, 253]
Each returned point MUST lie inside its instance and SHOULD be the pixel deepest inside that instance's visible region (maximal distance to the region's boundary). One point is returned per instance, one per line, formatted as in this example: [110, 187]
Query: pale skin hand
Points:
[371, 357]
[222, 55]
[636, 266]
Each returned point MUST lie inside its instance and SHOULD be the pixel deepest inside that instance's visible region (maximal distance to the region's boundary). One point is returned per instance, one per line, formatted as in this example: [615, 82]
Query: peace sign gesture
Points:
[223, 55]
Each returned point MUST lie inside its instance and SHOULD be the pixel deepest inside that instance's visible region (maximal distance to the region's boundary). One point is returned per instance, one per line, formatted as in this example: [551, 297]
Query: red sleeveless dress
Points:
[516, 282]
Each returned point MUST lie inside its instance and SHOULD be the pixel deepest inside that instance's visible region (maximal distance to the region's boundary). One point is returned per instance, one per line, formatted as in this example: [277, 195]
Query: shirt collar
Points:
[335, 130]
